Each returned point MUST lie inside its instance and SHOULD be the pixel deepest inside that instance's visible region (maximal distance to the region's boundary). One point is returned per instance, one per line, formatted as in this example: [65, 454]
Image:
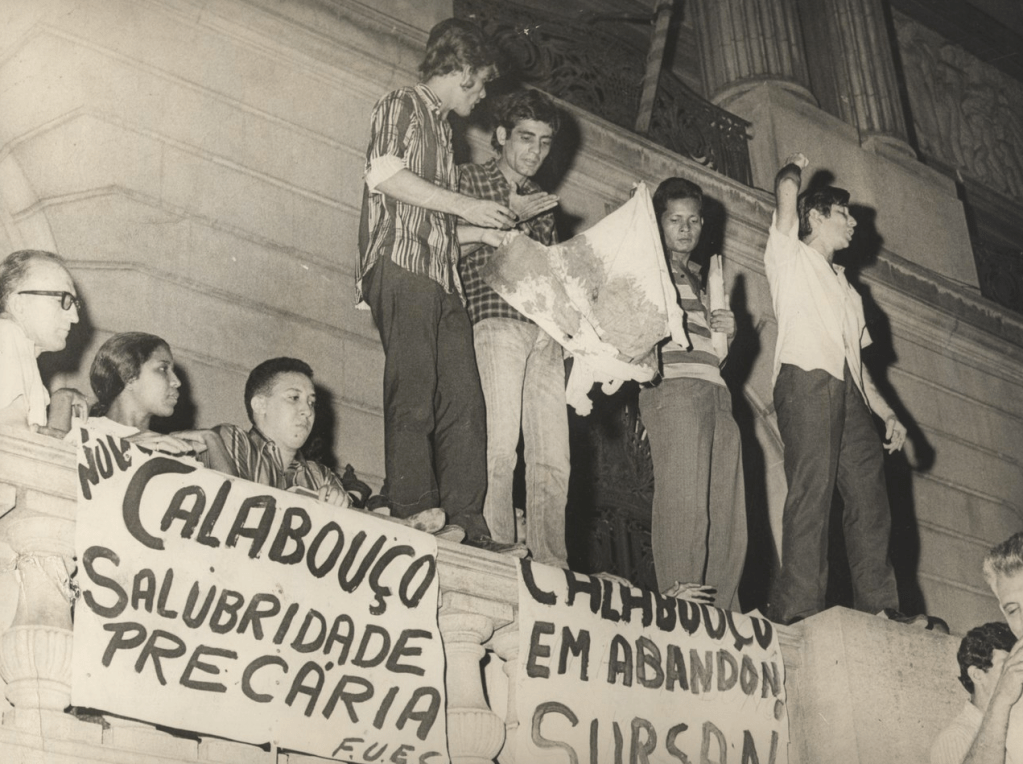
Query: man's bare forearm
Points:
[407, 187]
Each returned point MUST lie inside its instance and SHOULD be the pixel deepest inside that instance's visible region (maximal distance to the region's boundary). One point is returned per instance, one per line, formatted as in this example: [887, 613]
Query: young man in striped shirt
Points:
[522, 368]
[434, 417]
[699, 512]
[280, 399]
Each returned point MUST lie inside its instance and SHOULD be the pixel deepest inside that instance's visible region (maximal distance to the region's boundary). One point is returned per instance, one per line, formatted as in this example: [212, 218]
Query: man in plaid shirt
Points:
[433, 405]
[521, 367]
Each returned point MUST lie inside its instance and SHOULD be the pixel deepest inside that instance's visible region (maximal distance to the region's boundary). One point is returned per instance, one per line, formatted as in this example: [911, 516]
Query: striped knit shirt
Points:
[258, 459]
[698, 361]
[486, 181]
[407, 125]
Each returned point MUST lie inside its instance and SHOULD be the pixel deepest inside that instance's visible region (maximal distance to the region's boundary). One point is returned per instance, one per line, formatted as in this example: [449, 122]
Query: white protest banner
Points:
[224, 607]
[612, 674]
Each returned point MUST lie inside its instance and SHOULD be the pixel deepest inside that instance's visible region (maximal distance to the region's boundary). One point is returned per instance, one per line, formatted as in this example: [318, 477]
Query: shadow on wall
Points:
[320, 445]
[72, 359]
[184, 414]
[760, 554]
[861, 255]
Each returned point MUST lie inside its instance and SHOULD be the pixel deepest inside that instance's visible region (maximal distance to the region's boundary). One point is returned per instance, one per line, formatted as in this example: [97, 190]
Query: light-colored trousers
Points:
[522, 371]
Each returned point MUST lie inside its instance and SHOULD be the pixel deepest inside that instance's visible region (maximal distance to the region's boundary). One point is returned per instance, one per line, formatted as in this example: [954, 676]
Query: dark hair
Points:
[117, 363]
[978, 646]
[671, 189]
[524, 104]
[261, 379]
[14, 269]
[819, 199]
[1006, 559]
[454, 44]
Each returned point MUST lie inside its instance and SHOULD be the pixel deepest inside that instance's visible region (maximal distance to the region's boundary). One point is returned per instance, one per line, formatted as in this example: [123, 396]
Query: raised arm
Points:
[786, 191]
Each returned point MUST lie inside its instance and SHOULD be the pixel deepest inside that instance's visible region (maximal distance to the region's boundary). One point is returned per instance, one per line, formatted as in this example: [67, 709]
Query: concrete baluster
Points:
[506, 644]
[35, 652]
[475, 732]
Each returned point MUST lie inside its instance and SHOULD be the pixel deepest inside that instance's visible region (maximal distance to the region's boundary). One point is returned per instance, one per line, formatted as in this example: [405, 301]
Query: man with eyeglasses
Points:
[38, 305]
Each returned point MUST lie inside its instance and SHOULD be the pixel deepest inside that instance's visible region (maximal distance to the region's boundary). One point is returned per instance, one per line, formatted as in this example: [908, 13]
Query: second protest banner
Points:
[610, 673]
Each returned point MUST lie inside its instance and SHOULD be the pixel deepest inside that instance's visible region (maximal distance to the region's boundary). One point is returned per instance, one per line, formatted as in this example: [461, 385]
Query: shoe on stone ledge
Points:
[921, 621]
[428, 520]
[453, 533]
[513, 549]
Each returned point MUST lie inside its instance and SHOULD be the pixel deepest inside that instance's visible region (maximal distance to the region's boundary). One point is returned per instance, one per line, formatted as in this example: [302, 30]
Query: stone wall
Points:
[199, 164]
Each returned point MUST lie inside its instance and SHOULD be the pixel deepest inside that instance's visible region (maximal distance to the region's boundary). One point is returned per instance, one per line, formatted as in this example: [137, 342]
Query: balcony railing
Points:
[602, 72]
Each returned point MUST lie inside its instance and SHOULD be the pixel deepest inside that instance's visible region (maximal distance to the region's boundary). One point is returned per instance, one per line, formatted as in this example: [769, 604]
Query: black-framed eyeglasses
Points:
[66, 298]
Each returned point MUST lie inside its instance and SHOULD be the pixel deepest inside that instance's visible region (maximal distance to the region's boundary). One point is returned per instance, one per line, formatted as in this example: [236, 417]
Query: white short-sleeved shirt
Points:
[19, 373]
[820, 315]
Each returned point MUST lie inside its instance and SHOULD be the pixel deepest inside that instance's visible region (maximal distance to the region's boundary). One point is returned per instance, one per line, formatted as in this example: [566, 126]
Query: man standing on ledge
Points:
[699, 510]
[824, 398]
[522, 368]
[434, 417]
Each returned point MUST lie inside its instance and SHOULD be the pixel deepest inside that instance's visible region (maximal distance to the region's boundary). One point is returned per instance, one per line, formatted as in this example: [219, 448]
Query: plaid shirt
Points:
[486, 181]
[257, 459]
[407, 123]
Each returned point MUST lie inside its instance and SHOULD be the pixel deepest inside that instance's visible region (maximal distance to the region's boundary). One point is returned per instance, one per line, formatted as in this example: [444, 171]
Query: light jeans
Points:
[522, 371]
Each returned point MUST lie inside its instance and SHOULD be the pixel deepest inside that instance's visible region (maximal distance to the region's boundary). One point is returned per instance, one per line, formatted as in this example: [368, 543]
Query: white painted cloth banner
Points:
[606, 295]
[611, 674]
[224, 607]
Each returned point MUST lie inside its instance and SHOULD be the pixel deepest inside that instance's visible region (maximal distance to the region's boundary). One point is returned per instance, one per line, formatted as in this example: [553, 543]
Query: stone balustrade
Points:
[837, 660]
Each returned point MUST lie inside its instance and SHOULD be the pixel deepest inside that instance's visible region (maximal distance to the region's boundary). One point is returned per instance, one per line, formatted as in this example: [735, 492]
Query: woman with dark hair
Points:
[133, 378]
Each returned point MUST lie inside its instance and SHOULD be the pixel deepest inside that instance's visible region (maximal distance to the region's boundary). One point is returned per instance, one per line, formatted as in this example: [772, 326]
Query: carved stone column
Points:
[475, 733]
[506, 645]
[744, 43]
[35, 652]
[852, 71]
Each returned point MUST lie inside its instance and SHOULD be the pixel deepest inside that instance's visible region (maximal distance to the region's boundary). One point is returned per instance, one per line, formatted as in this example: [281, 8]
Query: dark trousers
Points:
[829, 439]
[434, 415]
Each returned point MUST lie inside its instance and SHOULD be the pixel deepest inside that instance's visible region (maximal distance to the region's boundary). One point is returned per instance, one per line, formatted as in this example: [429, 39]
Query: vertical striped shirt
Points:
[407, 125]
[258, 459]
[486, 181]
[698, 360]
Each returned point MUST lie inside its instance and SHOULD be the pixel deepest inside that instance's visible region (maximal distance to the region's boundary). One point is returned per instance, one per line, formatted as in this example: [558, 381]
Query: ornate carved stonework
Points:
[966, 114]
